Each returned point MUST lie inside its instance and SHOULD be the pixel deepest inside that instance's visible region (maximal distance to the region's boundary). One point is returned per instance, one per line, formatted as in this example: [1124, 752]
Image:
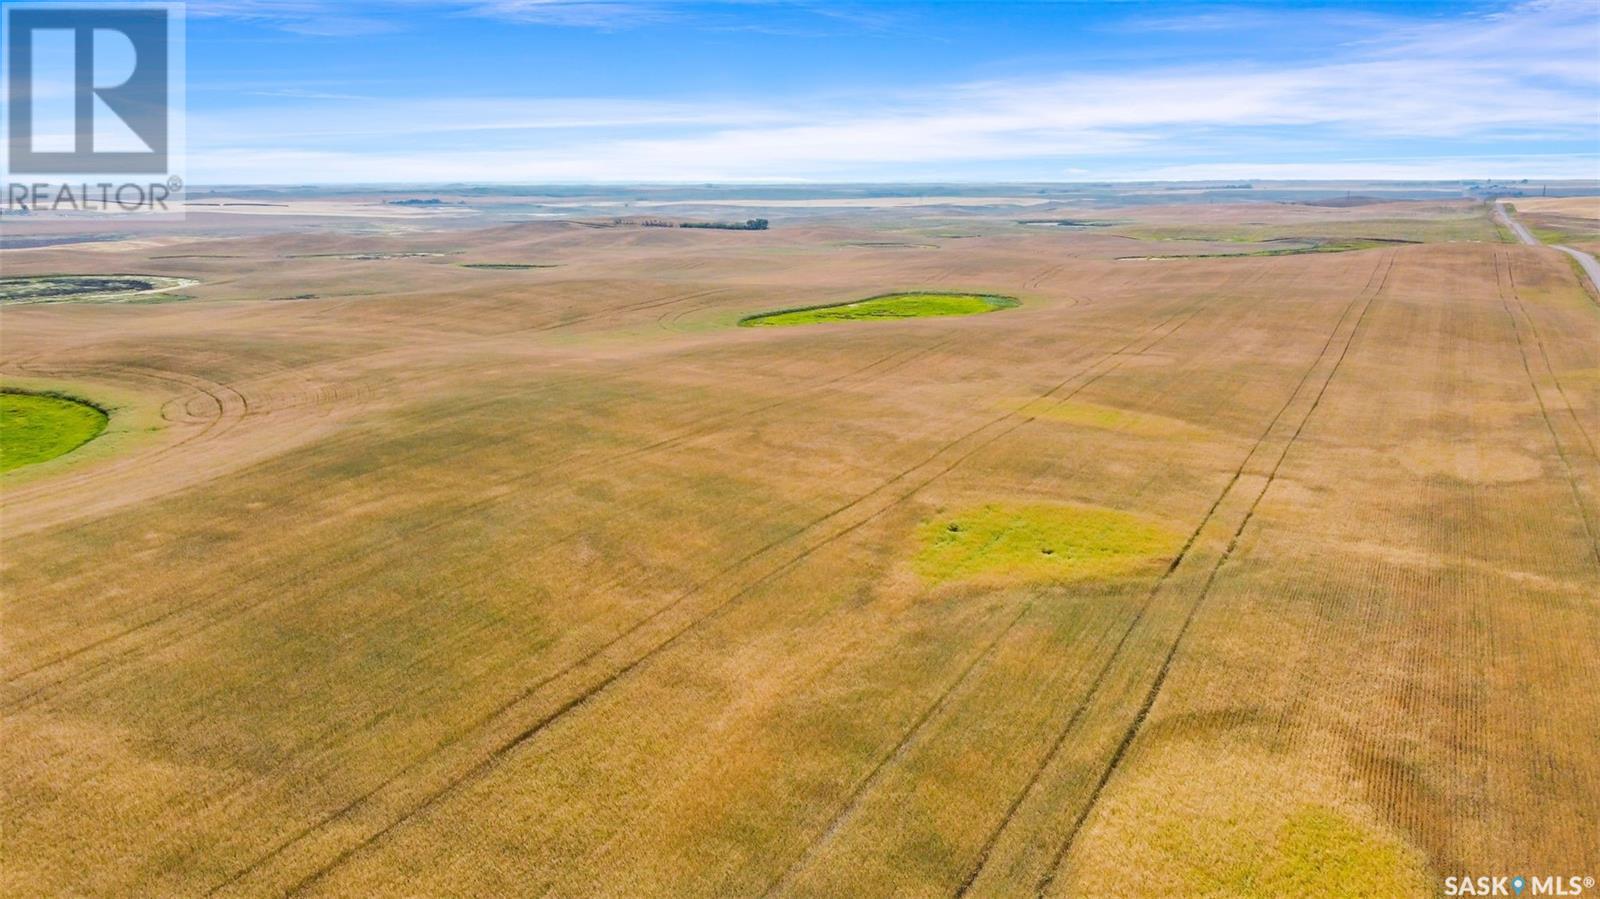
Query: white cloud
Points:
[1441, 168]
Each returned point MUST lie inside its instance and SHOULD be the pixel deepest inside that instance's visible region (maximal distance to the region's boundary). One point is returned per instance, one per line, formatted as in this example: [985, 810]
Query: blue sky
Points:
[290, 91]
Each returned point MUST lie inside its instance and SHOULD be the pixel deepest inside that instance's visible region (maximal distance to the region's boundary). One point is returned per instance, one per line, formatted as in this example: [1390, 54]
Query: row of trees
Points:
[746, 225]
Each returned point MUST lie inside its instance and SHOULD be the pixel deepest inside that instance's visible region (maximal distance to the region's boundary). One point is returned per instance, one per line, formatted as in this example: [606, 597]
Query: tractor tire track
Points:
[1589, 527]
[1002, 425]
[181, 613]
[1154, 692]
[378, 717]
[895, 753]
[865, 787]
[1378, 277]
[1544, 356]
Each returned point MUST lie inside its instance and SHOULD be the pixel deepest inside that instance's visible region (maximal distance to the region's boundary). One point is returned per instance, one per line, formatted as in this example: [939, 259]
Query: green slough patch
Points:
[37, 427]
[1040, 543]
[889, 306]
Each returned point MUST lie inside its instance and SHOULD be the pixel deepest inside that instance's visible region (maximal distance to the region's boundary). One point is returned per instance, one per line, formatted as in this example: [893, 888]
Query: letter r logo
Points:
[132, 92]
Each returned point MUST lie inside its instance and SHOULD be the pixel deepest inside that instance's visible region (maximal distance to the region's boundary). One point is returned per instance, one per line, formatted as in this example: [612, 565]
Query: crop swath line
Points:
[1378, 277]
[1137, 725]
[496, 753]
[178, 615]
[1544, 412]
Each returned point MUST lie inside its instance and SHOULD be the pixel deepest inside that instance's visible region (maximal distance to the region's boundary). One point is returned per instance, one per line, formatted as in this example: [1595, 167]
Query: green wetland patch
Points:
[90, 289]
[1041, 542]
[36, 427]
[917, 304]
[369, 256]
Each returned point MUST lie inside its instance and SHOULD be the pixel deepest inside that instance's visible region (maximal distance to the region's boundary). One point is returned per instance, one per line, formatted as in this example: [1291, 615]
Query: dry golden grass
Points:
[1578, 207]
[557, 582]
[1574, 221]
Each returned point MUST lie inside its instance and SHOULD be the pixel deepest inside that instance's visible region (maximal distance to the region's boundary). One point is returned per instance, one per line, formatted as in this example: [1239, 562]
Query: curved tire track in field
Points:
[1000, 426]
[177, 616]
[581, 531]
[654, 303]
[220, 409]
[1049, 271]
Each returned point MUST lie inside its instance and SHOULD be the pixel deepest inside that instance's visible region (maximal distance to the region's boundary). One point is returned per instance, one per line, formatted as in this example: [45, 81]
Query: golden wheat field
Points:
[443, 558]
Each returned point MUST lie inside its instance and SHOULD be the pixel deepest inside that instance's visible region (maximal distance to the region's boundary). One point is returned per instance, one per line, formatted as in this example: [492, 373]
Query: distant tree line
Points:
[746, 225]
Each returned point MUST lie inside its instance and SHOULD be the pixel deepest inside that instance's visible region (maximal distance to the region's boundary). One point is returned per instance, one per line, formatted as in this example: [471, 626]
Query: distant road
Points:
[1590, 266]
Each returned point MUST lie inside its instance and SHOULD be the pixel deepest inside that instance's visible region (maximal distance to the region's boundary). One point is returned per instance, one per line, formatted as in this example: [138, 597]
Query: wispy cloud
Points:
[359, 17]
[575, 13]
[1521, 79]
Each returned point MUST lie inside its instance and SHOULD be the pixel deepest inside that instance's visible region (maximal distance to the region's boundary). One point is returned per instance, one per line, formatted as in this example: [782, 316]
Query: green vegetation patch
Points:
[1040, 542]
[1562, 230]
[1324, 853]
[37, 427]
[1106, 418]
[887, 306]
[1317, 852]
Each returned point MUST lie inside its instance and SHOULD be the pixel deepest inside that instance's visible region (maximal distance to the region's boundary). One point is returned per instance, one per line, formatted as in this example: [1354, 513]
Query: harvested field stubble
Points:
[559, 583]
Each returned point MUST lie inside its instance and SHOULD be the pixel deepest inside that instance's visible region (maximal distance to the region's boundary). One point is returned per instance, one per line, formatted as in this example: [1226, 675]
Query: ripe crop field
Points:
[1255, 575]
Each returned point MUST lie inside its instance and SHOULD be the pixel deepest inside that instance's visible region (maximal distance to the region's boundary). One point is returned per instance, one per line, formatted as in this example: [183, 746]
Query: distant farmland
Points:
[1261, 575]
